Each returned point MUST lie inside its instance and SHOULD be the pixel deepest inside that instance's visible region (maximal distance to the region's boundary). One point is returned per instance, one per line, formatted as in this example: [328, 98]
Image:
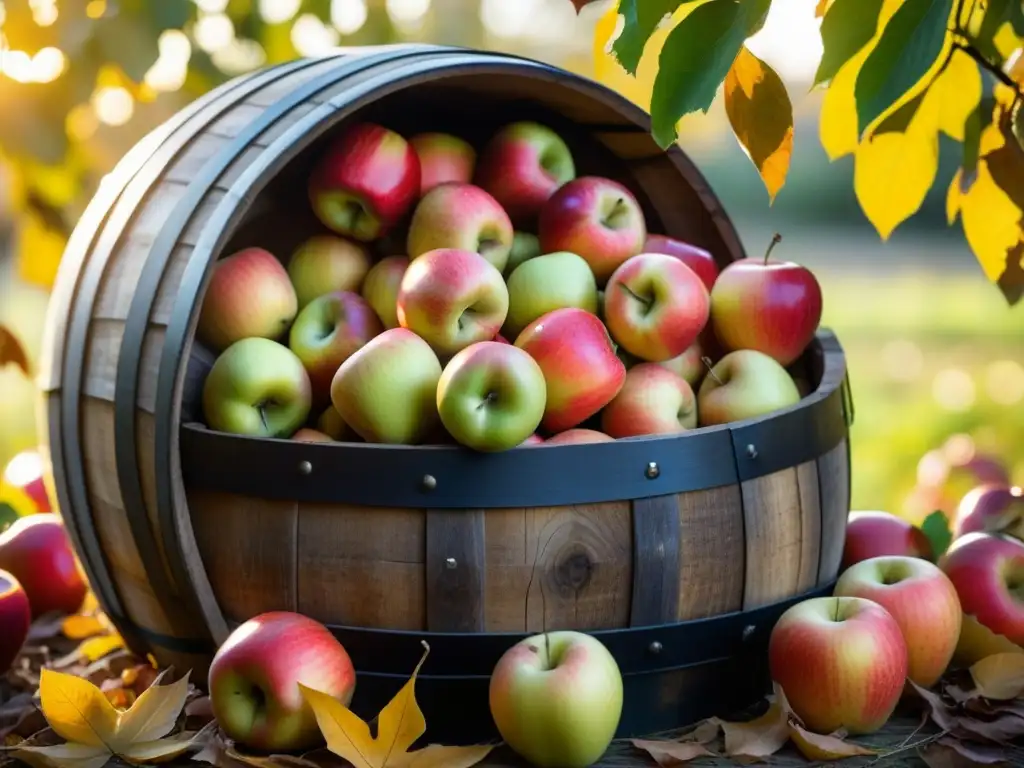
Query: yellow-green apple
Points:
[331, 424]
[597, 218]
[443, 158]
[325, 264]
[24, 474]
[579, 435]
[365, 182]
[546, 283]
[522, 165]
[556, 699]
[387, 390]
[525, 245]
[255, 676]
[15, 619]
[327, 332]
[582, 373]
[991, 507]
[655, 306]
[307, 435]
[491, 396]
[988, 573]
[257, 387]
[924, 603]
[875, 533]
[769, 306]
[452, 298]
[250, 294]
[464, 217]
[743, 385]
[380, 288]
[37, 552]
[841, 661]
[652, 401]
[697, 259]
[690, 365]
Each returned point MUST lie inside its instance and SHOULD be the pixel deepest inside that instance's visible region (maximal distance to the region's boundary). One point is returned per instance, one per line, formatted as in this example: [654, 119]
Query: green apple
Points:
[491, 396]
[546, 283]
[257, 387]
[387, 390]
[525, 246]
[325, 264]
[743, 385]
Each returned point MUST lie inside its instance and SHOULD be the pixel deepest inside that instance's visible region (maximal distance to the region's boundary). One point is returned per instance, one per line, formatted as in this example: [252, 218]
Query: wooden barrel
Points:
[679, 552]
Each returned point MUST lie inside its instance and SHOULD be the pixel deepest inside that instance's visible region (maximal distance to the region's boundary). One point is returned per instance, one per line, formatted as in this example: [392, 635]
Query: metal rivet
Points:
[655, 647]
[305, 468]
[451, 562]
[429, 482]
[748, 631]
[653, 470]
[752, 451]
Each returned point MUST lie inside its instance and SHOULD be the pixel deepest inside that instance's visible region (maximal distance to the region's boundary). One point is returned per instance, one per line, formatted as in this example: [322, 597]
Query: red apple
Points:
[443, 158]
[580, 367]
[697, 259]
[24, 473]
[522, 166]
[501, 339]
[655, 306]
[578, 435]
[841, 661]
[307, 435]
[773, 307]
[991, 508]
[37, 552]
[924, 603]
[255, 675]
[873, 534]
[250, 295]
[380, 288]
[596, 218]
[652, 401]
[15, 619]
[988, 572]
[365, 182]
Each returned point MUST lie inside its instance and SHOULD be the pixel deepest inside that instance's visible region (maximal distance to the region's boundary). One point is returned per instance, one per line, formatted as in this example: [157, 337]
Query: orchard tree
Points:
[897, 74]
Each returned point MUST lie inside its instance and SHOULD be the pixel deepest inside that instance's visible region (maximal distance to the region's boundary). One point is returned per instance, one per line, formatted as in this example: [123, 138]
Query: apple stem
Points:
[836, 617]
[646, 302]
[776, 239]
[262, 408]
[711, 370]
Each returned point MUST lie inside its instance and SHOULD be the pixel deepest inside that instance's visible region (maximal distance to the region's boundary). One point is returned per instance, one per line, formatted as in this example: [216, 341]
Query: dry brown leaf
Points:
[759, 738]
[706, 732]
[951, 753]
[268, 761]
[1003, 729]
[815, 746]
[666, 753]
[12, 352]
[940, 712]
[1000, 676]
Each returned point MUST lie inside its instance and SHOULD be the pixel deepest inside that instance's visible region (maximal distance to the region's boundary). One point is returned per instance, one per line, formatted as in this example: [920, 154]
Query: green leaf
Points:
[936, 528]
[641, 17]
[847, 27]
[998, 13]
[976, 123]
[909, 46]
[696, 57]
[7, 515]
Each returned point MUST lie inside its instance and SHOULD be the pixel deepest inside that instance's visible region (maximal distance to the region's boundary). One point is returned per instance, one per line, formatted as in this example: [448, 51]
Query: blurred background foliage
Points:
[937, 359]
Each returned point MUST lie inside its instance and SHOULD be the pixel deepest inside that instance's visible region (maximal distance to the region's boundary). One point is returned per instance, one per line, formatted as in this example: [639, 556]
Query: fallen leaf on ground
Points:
[95, 648]
[999, 676]
[940, 712]
[46, 627]
[1003, 729]
[815, 746]
[399, 725]
[951, 753]
[706, 732]
[667, 753]
[759, 738]
[82, 627]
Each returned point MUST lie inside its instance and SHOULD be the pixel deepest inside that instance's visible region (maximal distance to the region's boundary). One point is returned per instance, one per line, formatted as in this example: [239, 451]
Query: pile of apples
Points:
[492, 299]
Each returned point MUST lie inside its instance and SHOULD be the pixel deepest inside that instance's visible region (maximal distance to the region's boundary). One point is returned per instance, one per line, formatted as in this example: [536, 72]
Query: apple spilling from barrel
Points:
[492, 297]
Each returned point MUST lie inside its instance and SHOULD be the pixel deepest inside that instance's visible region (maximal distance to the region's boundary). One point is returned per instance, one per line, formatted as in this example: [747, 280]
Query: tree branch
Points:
[996, 72]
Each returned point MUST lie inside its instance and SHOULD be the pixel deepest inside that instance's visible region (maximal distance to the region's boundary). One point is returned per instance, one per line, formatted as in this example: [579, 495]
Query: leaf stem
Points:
[995, 71]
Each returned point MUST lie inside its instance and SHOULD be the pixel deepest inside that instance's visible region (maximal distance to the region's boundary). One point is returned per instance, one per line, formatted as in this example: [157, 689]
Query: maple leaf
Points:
[399, 725]
[999, 676]
[12, 352]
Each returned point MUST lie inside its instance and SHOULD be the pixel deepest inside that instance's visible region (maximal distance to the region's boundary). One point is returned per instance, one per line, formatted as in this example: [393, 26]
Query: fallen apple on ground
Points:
[874, 533]
[37, 552]
[15, 619]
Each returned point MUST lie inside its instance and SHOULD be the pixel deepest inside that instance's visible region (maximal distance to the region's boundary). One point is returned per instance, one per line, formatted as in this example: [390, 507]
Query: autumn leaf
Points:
[822, 8]
[948, 752]
[641, 18]
[1000, 676]
[758, 738]
[847, 27]
[761, 116]
[815, 746]
[399, 725]
[939, 712]
[667, 753]
[11, 351]
[978, 641]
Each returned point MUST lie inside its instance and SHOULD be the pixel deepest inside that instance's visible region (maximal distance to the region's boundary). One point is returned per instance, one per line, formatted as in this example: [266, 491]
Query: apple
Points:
[307, 435]
[525, 245]
[991, 507]
[533, 439]
[546, 283]
[988, 571]
[452, 298]
[873, 534]
[255, 675]
[327, 332]
[15, 619]
[597, 218]
[501, 339]
[25, 473]
[380, 288]
[257, 387]
[769, 306]
[250, 294]
[556, 699]
[325, 264]
[365, 182]
[37, 552]
[689, 365]
[580, 367]
[652, 401]
[464, 217]
[697, 259]
[443, 158]
[331, 424]
[841, 661]
[924, 603]
[743, 385]
[578, 435]
[655, 306]
[522, 166]
[491, 396]
[387, 390]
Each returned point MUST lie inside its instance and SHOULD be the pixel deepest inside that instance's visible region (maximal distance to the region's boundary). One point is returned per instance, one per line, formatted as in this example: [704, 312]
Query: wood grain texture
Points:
[810, 525]
[772, 521]
[455, 570]
[712, 552]
[834, 492]
[655, 561]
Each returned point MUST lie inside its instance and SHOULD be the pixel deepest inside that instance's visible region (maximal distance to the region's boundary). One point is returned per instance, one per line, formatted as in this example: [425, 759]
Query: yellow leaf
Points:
[991, 222]
[953, 198]
[821, 8]
[399, 725]
[817, 747]
[39, 250]
[159, 750]
[76, 709]
[65, 756]
[758, 738]
[1000, 676]
[957, 92]
[95, 648]
[80, 627]
[761, 116]
[154, 713]
[1006, 41]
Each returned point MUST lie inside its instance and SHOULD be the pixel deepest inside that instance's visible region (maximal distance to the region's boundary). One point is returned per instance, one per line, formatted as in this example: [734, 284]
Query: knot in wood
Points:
[573, 568]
